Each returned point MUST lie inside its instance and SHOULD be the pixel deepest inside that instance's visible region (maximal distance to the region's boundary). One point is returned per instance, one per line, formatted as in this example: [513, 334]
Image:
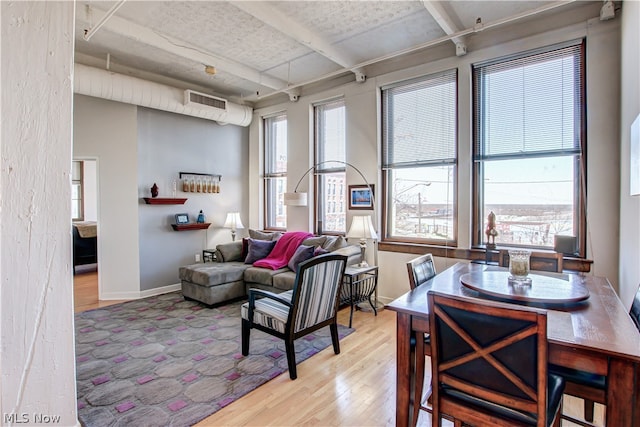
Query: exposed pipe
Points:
[474, 29]
[104, 84]
[105, 18]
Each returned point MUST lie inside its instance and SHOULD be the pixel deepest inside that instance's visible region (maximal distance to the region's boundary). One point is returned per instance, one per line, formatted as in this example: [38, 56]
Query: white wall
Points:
[630, 108]
[36, 292]
[107, 131]
[363, 126]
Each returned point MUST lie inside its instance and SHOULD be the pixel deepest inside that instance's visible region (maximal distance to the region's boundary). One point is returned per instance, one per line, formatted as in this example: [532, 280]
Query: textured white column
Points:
[36, 290]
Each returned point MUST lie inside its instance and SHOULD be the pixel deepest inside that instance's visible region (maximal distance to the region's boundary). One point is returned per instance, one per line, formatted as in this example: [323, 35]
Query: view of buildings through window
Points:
[330, 139]
[419, 158]
[528, 146]
[275, 171]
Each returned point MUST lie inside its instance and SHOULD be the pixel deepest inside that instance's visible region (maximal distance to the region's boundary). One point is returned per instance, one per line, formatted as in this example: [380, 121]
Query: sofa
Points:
[232, 274]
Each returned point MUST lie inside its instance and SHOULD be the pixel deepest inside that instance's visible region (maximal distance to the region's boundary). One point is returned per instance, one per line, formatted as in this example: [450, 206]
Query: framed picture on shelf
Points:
[182, 218]
[361, 197]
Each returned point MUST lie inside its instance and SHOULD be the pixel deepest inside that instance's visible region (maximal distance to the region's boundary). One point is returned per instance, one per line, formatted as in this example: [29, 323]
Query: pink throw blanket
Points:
[283, 250]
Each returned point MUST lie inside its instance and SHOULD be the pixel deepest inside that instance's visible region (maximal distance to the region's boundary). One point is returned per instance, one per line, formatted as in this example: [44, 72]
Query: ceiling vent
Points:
[191, 97]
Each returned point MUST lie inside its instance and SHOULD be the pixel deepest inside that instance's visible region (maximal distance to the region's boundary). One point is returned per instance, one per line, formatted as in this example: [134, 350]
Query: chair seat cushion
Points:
[269, 313]
[555, 388]
[579, 377]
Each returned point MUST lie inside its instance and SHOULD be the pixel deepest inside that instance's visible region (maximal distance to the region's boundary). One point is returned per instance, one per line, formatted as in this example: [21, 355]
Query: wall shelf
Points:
[191, 226]
[164, 201]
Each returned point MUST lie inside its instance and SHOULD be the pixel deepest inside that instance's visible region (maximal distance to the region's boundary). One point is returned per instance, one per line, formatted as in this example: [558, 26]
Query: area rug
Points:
[164, 361]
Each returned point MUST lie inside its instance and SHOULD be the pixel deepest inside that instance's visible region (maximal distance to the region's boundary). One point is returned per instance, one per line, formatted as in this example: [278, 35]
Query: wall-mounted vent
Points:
[191, 97]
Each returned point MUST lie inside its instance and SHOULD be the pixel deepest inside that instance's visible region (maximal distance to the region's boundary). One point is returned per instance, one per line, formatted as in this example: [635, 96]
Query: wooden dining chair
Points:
[545, 261]
[421, 270]
[489, 363]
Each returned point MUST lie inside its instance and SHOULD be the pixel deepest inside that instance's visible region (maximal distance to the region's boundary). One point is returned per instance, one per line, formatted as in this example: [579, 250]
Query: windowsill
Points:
[474, 254]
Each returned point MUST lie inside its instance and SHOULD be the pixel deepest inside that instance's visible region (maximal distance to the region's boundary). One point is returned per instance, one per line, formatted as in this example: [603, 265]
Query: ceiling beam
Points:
[445, 21]
[193, 53]
[299, 33]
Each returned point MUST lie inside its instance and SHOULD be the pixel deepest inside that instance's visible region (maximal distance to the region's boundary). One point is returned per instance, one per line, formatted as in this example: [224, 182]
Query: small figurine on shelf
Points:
[154, 190]
[200, 219]
[491, 231]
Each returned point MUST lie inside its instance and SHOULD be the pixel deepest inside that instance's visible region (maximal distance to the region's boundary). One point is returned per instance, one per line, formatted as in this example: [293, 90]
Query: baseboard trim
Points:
[141, 294]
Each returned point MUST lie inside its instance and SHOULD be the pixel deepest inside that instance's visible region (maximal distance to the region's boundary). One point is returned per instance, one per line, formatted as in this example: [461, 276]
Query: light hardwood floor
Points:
[354, 388]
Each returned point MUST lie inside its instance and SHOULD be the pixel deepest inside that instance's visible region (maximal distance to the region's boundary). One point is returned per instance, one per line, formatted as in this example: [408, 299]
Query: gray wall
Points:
[168, 144]
[629, 110]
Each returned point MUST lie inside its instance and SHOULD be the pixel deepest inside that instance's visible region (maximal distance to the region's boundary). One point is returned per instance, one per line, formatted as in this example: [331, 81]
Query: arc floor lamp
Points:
[361, 225]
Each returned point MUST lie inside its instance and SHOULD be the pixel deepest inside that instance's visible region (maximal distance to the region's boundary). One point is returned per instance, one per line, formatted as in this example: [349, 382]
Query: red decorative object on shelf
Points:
[164, 201]
[191, 226]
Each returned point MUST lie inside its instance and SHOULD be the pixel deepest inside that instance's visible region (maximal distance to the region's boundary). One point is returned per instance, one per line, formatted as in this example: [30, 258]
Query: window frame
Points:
[271, 172]
[325, 167]
[452, 162]
[579, 157]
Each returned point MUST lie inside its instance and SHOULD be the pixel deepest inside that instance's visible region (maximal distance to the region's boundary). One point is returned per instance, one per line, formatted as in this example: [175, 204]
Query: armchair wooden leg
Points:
[246, 330]
[291, 358]
[335, 339]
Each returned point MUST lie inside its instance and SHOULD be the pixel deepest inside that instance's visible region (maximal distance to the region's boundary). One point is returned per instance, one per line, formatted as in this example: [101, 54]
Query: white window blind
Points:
[529, 105]
[420, 121]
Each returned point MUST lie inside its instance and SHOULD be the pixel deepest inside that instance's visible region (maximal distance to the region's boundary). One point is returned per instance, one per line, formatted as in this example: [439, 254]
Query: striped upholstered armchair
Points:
[311, 304]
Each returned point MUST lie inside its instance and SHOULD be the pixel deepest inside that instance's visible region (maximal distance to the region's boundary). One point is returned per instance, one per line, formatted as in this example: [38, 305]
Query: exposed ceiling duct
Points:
[104, 84]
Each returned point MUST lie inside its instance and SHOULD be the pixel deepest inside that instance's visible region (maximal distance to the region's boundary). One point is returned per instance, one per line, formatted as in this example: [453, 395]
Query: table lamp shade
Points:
[362, 228]
[233, 221]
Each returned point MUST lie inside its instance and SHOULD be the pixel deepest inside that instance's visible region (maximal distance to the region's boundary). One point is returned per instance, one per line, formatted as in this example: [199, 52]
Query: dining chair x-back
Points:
[489, 363]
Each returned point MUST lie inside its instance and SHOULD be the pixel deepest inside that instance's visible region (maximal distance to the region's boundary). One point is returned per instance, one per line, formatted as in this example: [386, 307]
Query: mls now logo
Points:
[24, 418]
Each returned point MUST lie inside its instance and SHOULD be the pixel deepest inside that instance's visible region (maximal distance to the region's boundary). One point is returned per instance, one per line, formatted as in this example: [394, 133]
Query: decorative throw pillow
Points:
[245, 247]
[264, 235]
[314, 241]
[301, 254]
[319, 250]
[258, 249]
[339, 242]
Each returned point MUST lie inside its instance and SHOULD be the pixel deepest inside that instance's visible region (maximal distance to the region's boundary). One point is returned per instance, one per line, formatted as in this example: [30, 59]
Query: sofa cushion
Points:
[258, 249]
[213, 273]
[263, 276]
[284, 281]
[264, 235]
[227, 252]
[301, 254]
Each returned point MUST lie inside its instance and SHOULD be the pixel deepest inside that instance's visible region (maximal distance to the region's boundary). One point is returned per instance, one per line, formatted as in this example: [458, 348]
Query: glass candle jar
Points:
[519, 264]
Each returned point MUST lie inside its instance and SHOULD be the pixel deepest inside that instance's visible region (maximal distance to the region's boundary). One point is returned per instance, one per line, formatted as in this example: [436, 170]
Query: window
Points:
[77, 211]
[275, 171]
[419, 159]
[528, 159]
[330, 136]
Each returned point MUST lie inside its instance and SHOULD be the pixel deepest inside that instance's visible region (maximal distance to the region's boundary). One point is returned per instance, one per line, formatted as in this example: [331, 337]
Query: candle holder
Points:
[519, 267]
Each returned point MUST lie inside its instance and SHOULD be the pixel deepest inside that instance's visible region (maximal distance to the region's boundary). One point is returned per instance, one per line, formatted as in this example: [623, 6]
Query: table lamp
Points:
[362, 228]
[233, 222]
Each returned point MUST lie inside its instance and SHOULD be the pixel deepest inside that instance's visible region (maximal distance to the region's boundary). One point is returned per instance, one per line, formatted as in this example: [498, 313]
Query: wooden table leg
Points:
[405, 371]
[621, 393]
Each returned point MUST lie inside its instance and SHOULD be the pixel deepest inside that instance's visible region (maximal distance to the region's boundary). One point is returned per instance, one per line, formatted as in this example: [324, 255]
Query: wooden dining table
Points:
[594, 335]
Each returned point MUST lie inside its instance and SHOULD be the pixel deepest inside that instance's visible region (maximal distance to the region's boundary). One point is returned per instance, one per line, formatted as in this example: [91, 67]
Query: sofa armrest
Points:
[352, 252]
[227, 252]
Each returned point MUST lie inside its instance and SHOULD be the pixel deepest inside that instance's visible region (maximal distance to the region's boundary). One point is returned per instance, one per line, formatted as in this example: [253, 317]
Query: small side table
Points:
[358, 286]
[209, 255]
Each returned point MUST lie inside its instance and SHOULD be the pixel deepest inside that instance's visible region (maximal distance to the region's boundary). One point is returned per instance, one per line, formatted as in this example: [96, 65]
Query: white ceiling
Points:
[264, 48]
